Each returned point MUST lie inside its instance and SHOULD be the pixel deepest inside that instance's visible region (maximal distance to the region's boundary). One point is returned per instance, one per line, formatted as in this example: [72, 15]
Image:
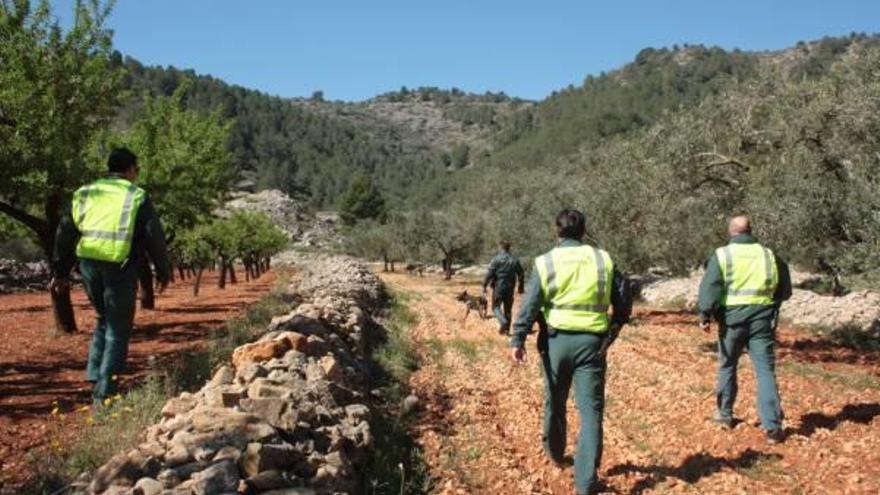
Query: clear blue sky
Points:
[356, 49]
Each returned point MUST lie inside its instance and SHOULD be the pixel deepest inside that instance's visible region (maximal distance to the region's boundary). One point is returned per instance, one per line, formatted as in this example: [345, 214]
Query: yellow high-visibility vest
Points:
[576, 284]
[104, 213]
[749, 273]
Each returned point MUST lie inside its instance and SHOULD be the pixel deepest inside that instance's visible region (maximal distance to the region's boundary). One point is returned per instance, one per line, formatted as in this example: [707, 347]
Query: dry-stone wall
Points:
[18, 276]
[303, 228]
[805, 308]
[288, 415]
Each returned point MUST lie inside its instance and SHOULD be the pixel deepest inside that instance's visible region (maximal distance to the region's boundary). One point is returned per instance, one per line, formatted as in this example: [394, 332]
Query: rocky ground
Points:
[16, 276]
[860, 309]
[287, 415]
[304, 229]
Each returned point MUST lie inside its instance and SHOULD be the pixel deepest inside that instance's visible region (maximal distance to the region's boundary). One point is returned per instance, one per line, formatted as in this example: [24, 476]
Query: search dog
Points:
[474, 303]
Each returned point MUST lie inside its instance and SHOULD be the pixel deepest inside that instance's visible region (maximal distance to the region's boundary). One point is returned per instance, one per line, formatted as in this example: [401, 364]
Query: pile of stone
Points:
[289, 415]
[303, 228]
[805, 308]
[17, 276]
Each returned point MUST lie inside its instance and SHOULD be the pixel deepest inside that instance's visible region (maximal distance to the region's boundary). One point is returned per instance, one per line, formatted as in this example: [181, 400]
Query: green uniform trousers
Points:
[112, 292]
[758, 335]
[578, 356]
[502, 304]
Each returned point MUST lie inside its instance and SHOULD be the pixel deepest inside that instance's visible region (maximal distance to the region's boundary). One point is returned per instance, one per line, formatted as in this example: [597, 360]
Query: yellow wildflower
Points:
[108, 401]
[55, 411]
[114, 415]
[84, 409]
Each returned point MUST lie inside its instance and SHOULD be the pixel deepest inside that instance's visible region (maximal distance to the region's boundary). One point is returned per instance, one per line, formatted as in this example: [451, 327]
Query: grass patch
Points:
[849, 379]
[855, 338]
[763, 469]
[677, 303]
[394, 464]
[119, 426]
[468, 349]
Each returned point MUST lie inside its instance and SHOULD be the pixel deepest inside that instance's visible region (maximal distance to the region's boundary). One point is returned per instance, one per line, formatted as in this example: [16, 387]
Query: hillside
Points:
[679, 134]
[310, 148]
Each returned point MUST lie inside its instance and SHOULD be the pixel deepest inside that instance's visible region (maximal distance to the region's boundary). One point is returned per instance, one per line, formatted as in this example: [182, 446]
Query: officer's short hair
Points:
[570, 224]
[505, 245]
[120, 160]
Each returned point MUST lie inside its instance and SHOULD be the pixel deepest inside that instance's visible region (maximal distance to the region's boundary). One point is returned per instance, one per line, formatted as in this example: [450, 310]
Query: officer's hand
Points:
[59, 284]
[161, 288]
[704, 326]
[518, 354]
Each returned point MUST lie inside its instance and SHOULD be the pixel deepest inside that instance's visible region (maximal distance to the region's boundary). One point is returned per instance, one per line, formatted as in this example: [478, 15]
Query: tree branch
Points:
[732, 184]
[38, 225]
[721, 160]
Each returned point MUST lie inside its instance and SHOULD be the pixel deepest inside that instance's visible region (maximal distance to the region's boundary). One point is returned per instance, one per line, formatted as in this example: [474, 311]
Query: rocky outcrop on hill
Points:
[303, 228]
[288, 415]
[805, 308]
[17, 276]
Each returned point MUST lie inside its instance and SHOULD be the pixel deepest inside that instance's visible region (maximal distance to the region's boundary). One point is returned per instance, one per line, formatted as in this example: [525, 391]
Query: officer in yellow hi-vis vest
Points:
[744, 285]
[111, 229]
[571, 288]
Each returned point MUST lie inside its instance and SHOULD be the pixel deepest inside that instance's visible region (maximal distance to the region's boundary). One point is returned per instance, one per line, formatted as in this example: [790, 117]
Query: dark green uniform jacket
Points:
[504, 271]
[149, 239]
[533, 302]
[712, 287]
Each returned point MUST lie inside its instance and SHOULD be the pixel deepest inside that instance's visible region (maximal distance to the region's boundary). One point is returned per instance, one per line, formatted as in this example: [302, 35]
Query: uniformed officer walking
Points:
[112, 224]
[574, 285]
[504, 272]
[744, 285]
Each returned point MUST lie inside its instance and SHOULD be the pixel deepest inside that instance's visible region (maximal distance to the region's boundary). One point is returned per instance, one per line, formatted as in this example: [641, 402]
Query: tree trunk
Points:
[222, 283]
[182, 270]
[447, 268]
[392, 266]
[148, 296]
[232, 278]
[385, 259]
[198, 281]
[258, 267]
[62, 307]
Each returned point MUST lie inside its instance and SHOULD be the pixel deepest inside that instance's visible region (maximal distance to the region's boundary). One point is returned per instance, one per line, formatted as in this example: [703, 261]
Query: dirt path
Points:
[481, 427]
[38, 371]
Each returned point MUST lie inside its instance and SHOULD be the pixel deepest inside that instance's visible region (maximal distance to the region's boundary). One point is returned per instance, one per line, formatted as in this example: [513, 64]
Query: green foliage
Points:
[799, 155]
[303, 148]
[57, 89]
[460, 155]
[256, 234]
[375, 241]
[183, 158]
[611, 104]
[362, 200]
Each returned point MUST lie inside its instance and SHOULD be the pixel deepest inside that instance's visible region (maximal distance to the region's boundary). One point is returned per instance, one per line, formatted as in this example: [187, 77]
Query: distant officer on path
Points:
[574, 285]
[112, 224]
[504, 272]
[744, 285]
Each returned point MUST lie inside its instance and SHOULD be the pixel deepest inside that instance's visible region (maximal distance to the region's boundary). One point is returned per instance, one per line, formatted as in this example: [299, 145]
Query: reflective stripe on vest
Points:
[576, 284]
[105, 212]
[749, 273]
